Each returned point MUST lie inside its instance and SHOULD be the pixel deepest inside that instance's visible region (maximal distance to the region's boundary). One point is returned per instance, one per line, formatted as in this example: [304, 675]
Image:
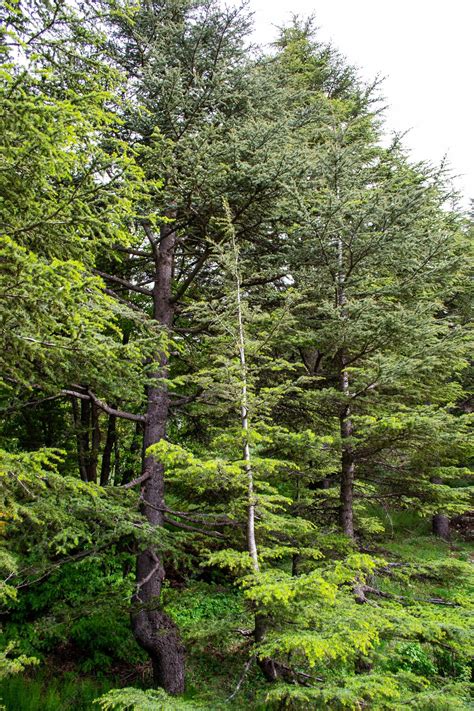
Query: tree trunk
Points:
[81, 455]
[108, 449]
[153, 629]
[266, 665]
[136, 445]
[440, 522]
[347, 473]
[295, 564]
[441, 526]
[95, 444]
[345, 422]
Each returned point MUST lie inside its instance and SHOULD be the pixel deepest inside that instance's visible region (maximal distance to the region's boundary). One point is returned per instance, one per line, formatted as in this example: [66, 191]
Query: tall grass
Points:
[67, 693]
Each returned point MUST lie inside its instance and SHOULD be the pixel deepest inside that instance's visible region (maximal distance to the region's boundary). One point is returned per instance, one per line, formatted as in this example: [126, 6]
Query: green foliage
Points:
[66, 693]
[11, 664]
[373, 691]
[136, 700]
[318, 315]
[202, 610]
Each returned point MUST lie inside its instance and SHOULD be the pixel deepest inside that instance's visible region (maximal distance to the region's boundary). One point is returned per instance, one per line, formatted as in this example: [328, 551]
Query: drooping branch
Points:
[127, 303]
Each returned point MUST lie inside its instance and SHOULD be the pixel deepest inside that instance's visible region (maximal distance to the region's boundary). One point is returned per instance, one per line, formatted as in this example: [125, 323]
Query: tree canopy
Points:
[236, 392]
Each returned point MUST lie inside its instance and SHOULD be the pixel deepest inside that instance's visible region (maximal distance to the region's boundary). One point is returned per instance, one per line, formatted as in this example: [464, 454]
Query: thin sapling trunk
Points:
[266, 665]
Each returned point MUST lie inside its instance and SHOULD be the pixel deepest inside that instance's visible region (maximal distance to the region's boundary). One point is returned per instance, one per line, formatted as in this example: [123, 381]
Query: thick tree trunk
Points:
[441, 526]
[108, 449]
[440, 522]
[153, 629]
[268, 667]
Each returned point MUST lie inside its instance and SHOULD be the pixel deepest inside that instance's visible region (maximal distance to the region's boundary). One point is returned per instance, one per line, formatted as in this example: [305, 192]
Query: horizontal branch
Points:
[123, 282]
[135, 252]
[139, 480]
[190, 516]
[185, 400]
[194, 529]
[361, 590]
[88, 395]
[260, 281]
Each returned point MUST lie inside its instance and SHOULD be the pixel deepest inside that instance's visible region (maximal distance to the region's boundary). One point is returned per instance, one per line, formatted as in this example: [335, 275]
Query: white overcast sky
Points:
[425, 51]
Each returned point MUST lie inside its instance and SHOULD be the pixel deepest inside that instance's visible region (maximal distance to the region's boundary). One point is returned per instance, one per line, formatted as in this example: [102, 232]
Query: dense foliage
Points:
[236, 395]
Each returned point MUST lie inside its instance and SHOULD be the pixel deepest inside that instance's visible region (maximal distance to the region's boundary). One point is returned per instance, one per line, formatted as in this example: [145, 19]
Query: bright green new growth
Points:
[311, 359]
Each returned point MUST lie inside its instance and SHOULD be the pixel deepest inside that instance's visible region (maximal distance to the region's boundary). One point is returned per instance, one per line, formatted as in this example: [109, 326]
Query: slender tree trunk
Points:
[136, 445]
[116, 469]
[108, 449]
[81, 455]
[345, 421]
[95, 444]
[347, 474]
[266, 665]
[153, 629]
[251, 540]
[440, 522]
[295, 564]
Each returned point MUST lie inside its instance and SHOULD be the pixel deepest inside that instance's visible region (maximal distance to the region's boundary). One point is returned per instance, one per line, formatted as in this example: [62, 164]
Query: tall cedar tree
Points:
[209, 125]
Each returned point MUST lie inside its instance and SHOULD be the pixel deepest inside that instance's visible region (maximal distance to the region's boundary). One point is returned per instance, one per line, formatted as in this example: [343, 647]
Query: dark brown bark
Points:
[109, 447]
[345, 422]
[347, 461]
[295, 564]
[84, 434]
[440, 522]
[441, 526]
[136, 445]
[116, 459]
[153, 629]
[95, 444]
[79, 440]
[268, 667]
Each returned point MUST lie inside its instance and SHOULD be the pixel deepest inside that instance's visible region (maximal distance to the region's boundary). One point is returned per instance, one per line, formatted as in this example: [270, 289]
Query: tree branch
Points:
[88, 395]
[123, 282]
[135, 252]
[191, 276]
[185, 400]
[194, 529]
[139, 480]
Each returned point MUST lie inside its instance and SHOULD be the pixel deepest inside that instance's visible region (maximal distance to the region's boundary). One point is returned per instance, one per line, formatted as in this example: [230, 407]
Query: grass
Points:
[66, 693]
